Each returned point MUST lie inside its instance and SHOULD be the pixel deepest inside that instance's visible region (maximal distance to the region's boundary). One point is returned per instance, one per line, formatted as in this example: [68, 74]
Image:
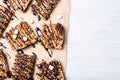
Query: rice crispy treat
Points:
[21, 36]
[52, 36]
[24, 67]
[3, 65]
[44, 8]
[5, 18]
[18, 4]
[50, 71]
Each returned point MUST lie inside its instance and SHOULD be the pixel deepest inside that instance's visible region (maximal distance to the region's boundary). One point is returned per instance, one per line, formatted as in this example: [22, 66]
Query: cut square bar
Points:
[50, 71]
[3, 65]
[44, 8]
[21, 36]
[5, 18]
[24, 67]
[52, 36]
[18, 4]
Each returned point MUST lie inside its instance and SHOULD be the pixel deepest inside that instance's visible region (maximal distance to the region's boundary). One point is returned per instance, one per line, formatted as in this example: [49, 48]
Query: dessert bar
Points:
[3, 65]
[24, 67]
[5, 18]
[52, 36]
[17, 4]
[21, 36]
[44, 8]
[50, 71]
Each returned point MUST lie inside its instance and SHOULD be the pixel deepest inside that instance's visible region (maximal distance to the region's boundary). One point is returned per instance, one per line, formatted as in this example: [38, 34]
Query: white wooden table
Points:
[94, 40]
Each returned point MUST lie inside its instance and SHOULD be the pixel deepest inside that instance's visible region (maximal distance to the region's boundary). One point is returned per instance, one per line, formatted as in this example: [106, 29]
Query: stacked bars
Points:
[44, 8]
[50, 71]
[21, 36]
[52, 36]
[17, 4]
[3, 65]
[5, 18]
[23, 67]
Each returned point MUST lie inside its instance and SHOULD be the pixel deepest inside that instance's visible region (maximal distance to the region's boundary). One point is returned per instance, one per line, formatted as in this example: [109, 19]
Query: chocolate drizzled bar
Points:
[17, 4]
[24, 67]
[5, 17]
[50, 71]
[3, 65]
[21, 36]
[44, 8]
[52, 36]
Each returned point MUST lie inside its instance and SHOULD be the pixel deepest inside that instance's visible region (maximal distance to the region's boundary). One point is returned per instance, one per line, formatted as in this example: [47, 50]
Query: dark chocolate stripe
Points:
[3, 19]
[6, 13]
[43, 8]
[4, 22]
[2, 16]
[20, 5]
[34, 10]
[16, 3]
[2, 26]
[11, 4]
[46, 5]
[45, 14]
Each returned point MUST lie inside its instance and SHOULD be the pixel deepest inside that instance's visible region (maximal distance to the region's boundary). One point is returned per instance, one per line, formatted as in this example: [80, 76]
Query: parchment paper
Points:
[61, 9]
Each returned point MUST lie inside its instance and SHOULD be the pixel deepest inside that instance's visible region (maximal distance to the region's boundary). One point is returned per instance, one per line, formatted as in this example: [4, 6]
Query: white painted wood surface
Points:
[94, 40]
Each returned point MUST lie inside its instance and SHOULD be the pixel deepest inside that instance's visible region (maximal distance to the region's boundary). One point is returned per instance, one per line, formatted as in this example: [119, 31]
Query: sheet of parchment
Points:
[61, 9]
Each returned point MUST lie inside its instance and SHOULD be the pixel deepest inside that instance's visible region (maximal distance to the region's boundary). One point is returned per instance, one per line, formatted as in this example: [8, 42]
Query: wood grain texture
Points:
[94, 40]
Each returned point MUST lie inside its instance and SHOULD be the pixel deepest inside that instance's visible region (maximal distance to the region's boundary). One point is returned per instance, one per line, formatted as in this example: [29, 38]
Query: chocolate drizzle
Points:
[12, 18]
[16, 17]
[5, 18]
[24, 67]
[4, 1]
[9, 74]
[20, 51]
[22, 18]
[33, 45]
[33, 10]
[4, 69]
[44, 8]
[17, 4]
[1, 36]
[39, 40]
[30, 78]
[39, 18]
[50, 71]
[1, 44]
[52, 36]
[21, 36]
[37, 31]
[50, 53]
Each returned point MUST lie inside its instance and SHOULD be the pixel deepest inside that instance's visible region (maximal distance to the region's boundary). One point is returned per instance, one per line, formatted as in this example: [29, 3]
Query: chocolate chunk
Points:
[1, 44]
